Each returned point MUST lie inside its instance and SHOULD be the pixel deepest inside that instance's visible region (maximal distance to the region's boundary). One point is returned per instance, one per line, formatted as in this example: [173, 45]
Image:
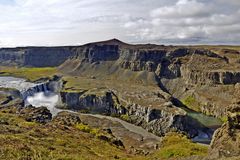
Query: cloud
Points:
[182, 9]
[71, 22]
[230, 2]
[189, 21]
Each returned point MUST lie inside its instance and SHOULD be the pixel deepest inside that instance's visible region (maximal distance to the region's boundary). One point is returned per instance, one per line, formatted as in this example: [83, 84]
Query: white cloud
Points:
[65, 22]
[183, 8]
[191, 21]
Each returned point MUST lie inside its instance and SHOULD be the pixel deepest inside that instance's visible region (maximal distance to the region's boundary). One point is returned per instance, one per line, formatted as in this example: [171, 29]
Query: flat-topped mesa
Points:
[193, 64]
[134, 57]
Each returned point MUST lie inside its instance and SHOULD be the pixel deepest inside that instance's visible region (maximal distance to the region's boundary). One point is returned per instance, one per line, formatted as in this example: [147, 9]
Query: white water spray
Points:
[46, 99]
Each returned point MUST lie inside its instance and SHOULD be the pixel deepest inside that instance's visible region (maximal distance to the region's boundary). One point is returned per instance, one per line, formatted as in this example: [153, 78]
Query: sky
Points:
[76, 22]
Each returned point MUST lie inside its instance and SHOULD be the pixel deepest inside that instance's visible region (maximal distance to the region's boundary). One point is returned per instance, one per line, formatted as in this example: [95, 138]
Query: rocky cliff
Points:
[34, 56]
[226, 139]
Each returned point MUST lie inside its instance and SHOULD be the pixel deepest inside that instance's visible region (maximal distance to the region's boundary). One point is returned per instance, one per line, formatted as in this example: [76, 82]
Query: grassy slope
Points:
[28, 140]
[31, 74]
[177, 146]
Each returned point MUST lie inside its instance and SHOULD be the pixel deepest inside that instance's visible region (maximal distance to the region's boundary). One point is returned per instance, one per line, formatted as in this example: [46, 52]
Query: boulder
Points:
[32, 114]
[67, 118]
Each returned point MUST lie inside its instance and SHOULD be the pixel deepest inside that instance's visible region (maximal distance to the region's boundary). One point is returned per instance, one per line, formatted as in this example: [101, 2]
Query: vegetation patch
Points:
[224, 119]
[125, 117]
[28, 140]
[191, 103]
[31, 74]
[176, 145]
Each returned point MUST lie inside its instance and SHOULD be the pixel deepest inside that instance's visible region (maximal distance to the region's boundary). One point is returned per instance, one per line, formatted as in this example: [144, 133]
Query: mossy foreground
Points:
[178, 146]
[30, 140]
[31, 74]
[21, 139]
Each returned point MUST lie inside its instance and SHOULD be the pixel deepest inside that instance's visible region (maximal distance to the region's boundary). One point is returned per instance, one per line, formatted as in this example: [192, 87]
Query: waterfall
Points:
[41, 94]
[36, 89]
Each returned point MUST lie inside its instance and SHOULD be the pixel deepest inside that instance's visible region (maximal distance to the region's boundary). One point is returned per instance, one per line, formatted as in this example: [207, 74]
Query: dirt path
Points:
[131, 127]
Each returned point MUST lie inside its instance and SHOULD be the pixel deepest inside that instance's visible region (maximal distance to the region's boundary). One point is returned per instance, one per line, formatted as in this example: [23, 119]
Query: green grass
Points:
[175, 145]
[29, 140]
[31, 74]
[83, 127]
[125, 117]
[224, 119]
[191, 103]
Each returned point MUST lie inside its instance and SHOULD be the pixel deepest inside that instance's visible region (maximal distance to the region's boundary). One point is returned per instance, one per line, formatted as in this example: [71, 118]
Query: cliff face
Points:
[34, 56]
[226, 139]
[12, 56]
[210, 77]
[105, 103]
[45, 57]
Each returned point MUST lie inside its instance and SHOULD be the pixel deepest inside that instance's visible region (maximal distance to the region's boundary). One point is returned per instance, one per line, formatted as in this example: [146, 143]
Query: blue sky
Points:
[7, 2]
[73, 22]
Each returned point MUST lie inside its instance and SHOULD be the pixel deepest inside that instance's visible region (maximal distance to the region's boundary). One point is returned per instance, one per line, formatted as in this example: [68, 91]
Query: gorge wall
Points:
[158, 121]
[182, 71]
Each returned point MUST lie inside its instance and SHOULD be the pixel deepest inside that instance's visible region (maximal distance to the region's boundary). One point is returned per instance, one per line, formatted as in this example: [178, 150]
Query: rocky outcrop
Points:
[67, 119]
[139, 60]
[226, 139]
[32, 114]
[210, 77]
[94, 53]
[163, 121]
[105, 102]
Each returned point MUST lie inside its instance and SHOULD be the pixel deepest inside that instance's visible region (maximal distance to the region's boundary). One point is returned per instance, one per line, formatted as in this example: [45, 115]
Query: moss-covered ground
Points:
[178, 146]
[29, 140]
[31, 74]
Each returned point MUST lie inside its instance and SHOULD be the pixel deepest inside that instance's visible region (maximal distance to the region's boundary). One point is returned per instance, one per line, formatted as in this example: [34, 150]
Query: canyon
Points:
[162, 89]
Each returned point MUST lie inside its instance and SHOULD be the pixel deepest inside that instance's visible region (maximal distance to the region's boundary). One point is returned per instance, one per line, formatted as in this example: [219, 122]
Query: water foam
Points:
[47, 99]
